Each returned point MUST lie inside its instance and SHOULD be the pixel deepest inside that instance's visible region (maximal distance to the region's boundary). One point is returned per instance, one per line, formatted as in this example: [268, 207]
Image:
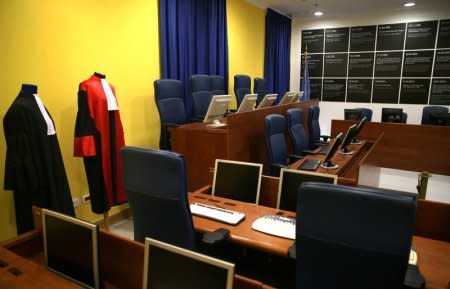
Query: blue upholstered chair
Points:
[366, 112]
[428, 110]
[275, 127]
[315, 138]
[217, 84]
[200, 88]
[404, 117]
[155, 182]
[170, 103]
[242, 85]
[259, 88]
[297, 132]
[352, 238]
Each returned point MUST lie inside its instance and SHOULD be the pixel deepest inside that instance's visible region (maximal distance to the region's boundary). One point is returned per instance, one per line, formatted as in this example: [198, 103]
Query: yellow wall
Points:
[57, 44]
[246, 30]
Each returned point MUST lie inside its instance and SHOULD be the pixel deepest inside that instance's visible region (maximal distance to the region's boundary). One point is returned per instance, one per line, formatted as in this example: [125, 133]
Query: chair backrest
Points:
[242, 85]
[169, 101]
[297, 130]
[259, 88]
[366, 112]
[156, 184]
[275, 126]
[404, 117]
[349, 237]
[217, 85]
[200, 88]
[314, 126]
[428, 110]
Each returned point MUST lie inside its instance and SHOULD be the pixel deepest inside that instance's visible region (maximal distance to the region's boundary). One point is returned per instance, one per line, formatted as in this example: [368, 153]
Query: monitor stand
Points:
[345, 151]
[355, 141]
[216, 123]
[329, 165]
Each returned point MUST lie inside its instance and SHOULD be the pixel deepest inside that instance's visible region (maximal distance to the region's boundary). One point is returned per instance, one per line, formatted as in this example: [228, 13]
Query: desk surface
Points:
[433, 255]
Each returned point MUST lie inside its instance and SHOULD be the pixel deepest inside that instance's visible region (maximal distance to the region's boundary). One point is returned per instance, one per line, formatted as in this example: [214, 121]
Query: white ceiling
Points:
[305, 8]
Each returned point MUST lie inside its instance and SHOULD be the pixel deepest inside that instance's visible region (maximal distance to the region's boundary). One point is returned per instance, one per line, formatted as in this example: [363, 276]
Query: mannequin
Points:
[34, 168]
[98, 139]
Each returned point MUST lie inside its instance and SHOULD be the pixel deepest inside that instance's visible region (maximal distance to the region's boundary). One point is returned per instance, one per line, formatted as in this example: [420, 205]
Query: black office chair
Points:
[155, 182]
[428, 110]
[352, 238]
[404, 117]
[297, 132]
[315, 138]
[259, 88]
[217, 84]
[275, 127]
[242, 85]
[200, 88]
[366, 112]
[170, 103]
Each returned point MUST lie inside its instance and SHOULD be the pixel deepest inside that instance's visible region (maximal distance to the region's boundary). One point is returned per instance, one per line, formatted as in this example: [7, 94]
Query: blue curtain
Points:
[277, 52]
[193, 40]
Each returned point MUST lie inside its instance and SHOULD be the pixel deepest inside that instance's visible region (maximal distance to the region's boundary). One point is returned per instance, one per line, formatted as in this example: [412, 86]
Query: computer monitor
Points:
[71, 248]
[247, 103]
[391, 115]
[290, 181]
[296, 97]
[168, 266]
[351, 132]
[267, 100]
[360, 126]
[287, 97]
[237, 180]
[352, 114]
[217, 108]
[326, 163]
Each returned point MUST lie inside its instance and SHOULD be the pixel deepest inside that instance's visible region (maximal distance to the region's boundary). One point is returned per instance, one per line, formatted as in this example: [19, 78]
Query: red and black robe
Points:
[98, 139]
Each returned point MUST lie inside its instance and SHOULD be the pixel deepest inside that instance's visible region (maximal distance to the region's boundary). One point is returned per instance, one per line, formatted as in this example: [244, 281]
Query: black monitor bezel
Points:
[333, 148]
[391, 110]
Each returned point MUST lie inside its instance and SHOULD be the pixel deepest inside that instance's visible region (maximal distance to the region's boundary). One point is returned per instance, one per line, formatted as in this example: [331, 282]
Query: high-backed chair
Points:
[404, 117]
[428, 110]
[242, 85]
[259, 88]
[170, 103]
[156, 184]
[362, 241]
[315, 138]
[366, 112]
[297, 132]
[275, 127]
[200, 88]
[217, 84]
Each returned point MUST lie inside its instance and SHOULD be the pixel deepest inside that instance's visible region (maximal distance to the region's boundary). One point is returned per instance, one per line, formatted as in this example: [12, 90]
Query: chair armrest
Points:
[320, 143]
[217, 236]
[275, 169]
[308, 152]
[196, 119]
[292, 251]
[293, 157]
[325, 137]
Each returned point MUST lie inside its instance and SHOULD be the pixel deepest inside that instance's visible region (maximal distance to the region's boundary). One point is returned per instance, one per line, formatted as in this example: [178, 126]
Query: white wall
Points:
[335, 110]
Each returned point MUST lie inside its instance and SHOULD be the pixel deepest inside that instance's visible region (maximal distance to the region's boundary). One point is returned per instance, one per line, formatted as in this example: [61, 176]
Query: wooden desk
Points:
[241, 140]
[405, 146]
[433, 255]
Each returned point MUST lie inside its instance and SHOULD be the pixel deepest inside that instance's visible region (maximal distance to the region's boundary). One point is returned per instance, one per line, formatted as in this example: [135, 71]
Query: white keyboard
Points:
[219, 214]
[276, 225]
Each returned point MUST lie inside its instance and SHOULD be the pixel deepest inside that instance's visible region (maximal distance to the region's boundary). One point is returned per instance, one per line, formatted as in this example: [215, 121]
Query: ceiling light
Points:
[317, 11]
[409, 4]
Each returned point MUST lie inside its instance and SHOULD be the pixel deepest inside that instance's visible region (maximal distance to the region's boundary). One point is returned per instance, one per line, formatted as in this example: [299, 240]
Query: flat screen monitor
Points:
[267, 101]
[248, 103]
[71, 248]
[167, 266]
[351, 132]
[326, 163]
[217, 108]
[237, 180]
[352, 114]
[290, 181]
[287, 98]
[360, 126]
[391, 115]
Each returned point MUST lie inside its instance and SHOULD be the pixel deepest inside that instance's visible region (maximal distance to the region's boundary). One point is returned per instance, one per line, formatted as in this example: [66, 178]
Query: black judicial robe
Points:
[98, 139]
[34, 168]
